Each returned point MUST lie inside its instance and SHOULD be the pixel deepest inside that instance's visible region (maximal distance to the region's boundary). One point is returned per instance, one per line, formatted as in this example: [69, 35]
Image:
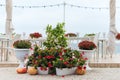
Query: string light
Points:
[61, 4]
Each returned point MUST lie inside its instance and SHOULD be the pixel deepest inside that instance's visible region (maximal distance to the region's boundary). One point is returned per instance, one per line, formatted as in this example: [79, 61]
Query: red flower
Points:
[35, 35]
[60, 54]
[63, 76]
[84, 67]
[118, 36]
[65, 50]
[86, 58]
[79, 67]
[39, 57]
[49, 57]
[61, 58]
[49, 64]
[65, 62]
[42, 68]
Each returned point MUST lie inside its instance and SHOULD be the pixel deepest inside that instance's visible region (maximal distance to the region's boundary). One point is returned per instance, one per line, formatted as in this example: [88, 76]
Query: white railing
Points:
[6, 45]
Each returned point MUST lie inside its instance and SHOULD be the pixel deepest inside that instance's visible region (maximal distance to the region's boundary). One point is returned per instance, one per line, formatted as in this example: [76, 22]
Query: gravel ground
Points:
[95, 74]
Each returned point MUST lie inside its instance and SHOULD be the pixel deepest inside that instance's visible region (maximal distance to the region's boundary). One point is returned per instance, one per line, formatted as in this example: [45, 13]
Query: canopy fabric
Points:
[112, 29]
[8, 17]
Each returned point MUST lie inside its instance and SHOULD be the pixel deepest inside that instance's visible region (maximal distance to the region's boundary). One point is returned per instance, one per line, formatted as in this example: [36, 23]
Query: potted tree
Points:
[21, 48]
[55, 39]
[87, 47]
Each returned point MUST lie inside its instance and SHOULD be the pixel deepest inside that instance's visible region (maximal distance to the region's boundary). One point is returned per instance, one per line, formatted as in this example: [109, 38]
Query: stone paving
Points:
[9, 73]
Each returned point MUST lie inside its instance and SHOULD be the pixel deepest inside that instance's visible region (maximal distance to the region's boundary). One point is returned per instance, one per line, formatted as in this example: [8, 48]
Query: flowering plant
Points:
[118, 36]
[69, 58]
[60, 58]
[70, 35]
[22, 44]
[35, 35]
[87, 45]
[41, 58]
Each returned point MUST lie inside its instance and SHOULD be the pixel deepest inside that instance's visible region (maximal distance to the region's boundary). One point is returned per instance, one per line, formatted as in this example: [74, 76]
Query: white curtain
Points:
[112, 29]
[9, 27]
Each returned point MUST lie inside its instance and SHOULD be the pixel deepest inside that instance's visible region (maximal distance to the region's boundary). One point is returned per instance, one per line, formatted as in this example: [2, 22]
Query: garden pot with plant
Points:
[21, 48]
[55, 39]
[70, 35]
[35, 35]
[87, 48]
[68, 61]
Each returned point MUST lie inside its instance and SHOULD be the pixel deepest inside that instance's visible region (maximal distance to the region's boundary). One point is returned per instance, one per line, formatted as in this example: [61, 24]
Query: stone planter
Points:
[88, 55]
[65, 71]
[21, 55]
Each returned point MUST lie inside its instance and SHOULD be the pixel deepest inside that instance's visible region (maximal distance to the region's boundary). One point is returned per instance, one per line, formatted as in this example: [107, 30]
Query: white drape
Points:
[112, 29]
[9, 17]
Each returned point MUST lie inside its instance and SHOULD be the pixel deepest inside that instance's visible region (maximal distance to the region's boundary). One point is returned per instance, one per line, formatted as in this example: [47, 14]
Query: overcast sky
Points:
[81, 20]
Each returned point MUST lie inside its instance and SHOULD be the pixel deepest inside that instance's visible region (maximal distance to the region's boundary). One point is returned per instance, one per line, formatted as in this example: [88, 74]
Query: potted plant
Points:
[70, 35]
[67, 62]
[55, 50]
[41, 59]
[21, 48]
[87, 47]
[35, 35]
[91, 36]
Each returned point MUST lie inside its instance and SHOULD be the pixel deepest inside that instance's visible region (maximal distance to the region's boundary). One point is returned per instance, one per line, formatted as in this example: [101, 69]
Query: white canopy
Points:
[112, 29]
[9, 27]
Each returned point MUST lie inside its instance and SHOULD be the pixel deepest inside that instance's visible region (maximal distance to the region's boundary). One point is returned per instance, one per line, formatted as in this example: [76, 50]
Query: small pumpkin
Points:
[21, 70]
[32, 71]
[80, 71]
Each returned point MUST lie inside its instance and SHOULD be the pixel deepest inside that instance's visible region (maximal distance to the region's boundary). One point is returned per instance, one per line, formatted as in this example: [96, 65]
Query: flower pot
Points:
[21, 54]
[42, 71]
[87, 54]
[65, 71]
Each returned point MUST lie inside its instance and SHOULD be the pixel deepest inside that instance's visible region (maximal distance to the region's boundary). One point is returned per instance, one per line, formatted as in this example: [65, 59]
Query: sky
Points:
[77, 20]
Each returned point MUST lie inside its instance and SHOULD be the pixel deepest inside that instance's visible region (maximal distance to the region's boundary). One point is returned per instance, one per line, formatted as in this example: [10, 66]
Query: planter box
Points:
[42, 71]
[65, 71]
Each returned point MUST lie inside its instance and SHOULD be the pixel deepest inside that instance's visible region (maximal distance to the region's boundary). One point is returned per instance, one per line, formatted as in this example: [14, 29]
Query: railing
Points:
[6, 47]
